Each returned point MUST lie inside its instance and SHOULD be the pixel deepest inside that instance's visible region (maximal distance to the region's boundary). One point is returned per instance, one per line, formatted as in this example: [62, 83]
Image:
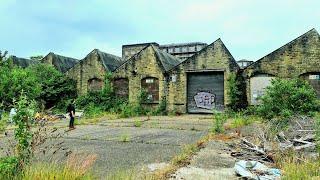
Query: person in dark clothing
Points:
[71, 110]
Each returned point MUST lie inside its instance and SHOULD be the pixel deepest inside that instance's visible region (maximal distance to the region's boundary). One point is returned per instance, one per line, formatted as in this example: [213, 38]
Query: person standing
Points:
[71, 110]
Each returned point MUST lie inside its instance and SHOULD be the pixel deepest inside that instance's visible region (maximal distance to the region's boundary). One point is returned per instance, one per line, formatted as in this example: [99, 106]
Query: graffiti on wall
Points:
[205, 100]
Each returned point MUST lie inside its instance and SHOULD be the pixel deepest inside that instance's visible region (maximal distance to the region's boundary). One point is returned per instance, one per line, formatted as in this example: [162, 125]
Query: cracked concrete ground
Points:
[212, 162]
[158, 140]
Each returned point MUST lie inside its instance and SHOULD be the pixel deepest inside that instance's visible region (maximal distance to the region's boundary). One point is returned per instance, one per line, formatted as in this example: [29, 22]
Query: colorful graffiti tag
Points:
[205, 100]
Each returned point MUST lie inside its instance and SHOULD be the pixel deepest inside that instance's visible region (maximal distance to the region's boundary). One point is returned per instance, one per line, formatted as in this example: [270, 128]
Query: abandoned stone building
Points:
[90, 72]
[191, 77]
[180, 50]
[199, 84]
[146, 70]
[61, 63]
[299, 58]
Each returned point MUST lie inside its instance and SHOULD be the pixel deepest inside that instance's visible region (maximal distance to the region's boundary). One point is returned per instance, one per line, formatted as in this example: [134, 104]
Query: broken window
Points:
[151, 86]
[121, 87]
[95, 84]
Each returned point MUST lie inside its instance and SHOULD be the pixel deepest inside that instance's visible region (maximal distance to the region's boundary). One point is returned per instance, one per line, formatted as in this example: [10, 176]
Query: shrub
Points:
[233, 92]
[23, 133]
[162, 108]
[287, 97]
[55, 86]
[14, 80]
[8, 167]
[219, 120]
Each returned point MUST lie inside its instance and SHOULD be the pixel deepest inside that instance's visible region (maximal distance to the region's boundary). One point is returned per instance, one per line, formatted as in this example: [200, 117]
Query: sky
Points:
[250, 29]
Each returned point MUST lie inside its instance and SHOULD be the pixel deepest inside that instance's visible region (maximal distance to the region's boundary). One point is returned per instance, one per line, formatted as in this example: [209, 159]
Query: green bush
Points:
[14, 80]
[219, 120]
[285, 98]
[8, 167]
[55, 86]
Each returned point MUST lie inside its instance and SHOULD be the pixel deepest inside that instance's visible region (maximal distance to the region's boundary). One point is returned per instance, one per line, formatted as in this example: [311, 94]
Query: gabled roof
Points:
[310, 33]
[61, 63]
[232, 61]
[22, 62]
[109, 61]
[166, 60]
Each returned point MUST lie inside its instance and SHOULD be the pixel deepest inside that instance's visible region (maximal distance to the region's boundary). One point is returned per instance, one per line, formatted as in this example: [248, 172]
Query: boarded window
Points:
[258, 85]
[151, 86]
[121, 87]
[95, 84]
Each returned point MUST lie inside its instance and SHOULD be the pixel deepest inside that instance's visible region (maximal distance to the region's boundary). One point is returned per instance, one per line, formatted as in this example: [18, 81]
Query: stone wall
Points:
[214, 57]
[89, 68]
[144, 64]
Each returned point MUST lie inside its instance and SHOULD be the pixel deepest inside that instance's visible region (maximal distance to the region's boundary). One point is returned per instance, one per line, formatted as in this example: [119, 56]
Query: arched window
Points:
[151, 86]
[95, 84]
[121, 87]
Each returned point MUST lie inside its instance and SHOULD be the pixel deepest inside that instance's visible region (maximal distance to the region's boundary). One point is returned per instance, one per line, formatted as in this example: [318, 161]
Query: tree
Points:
[55, 85]
[13, 81]
[3, 56]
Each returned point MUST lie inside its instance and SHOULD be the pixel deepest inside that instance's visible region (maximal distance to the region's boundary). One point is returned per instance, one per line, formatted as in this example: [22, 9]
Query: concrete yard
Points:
[120, 145]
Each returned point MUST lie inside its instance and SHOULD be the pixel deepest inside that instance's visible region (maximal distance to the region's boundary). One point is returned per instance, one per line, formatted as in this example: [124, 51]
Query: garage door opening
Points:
[205, 92]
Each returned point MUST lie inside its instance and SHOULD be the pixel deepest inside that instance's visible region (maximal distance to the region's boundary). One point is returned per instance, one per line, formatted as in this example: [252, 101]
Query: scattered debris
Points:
[256, 170]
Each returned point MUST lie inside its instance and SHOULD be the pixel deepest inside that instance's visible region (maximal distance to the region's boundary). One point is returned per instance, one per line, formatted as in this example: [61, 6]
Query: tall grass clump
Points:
[218, 120]
[77, 167]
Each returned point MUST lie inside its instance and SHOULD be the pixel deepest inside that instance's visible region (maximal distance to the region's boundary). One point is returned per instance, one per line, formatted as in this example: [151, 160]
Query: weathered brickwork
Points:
[94, 66]
[300, 56]
[214, 57]
[142, 65]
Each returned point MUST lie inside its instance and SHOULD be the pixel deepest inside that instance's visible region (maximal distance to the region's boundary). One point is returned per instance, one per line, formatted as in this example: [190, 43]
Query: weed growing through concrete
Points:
[125, 138]
[137, 123]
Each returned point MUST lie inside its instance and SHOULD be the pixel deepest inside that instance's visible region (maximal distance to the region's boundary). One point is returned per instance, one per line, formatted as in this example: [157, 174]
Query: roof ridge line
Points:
[300, 36]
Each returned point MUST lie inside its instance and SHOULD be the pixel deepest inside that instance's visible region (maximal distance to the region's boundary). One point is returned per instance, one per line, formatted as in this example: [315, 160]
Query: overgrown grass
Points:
[241, 120]
[302, 170]
[54, 172]
[3, 122]
[294, 167]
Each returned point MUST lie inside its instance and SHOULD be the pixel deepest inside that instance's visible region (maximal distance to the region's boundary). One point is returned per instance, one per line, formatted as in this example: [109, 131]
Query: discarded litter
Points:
[256, 170]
